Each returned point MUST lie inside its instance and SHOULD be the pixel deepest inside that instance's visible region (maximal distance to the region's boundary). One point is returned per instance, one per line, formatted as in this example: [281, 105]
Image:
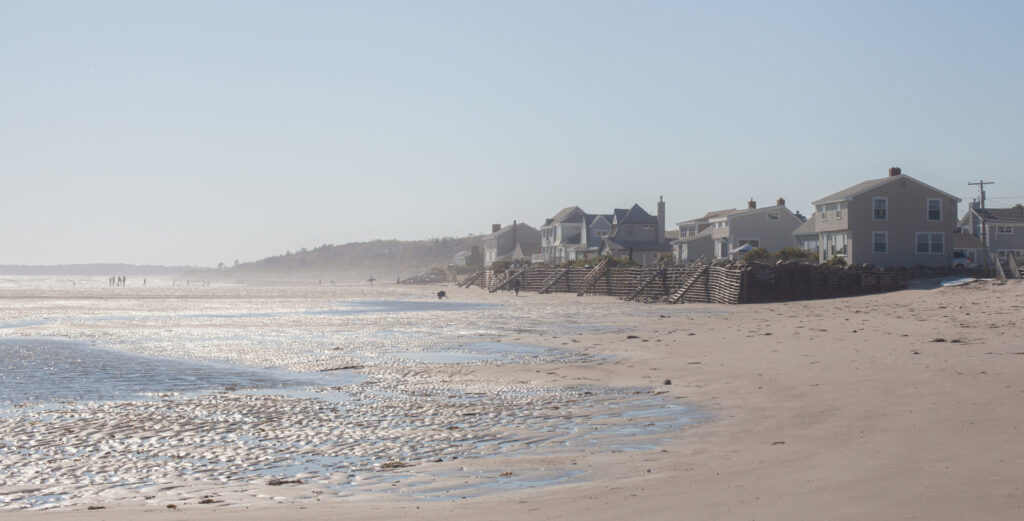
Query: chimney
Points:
[661, 219]
[515, 237]
[751, 204]
[495, 227]
[780, 202]
[894, 171]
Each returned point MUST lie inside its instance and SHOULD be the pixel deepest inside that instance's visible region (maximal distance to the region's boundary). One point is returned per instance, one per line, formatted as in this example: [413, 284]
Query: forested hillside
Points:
[384, 259]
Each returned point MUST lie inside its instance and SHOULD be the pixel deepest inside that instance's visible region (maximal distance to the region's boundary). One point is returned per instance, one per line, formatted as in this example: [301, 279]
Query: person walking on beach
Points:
[517, 285]
[442, 294]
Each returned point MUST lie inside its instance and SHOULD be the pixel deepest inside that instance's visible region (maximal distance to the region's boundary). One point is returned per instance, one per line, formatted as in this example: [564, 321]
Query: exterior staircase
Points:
[595, 275]
[510, 277]
[647, 276]
[468, 281]
[553, 279]
[688, 282]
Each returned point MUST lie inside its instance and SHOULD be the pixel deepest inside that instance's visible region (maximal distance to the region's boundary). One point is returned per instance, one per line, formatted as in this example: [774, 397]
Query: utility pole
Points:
[984, 225]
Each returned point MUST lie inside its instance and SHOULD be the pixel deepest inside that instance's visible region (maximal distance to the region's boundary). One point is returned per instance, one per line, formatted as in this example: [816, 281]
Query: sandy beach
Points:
[895, 406]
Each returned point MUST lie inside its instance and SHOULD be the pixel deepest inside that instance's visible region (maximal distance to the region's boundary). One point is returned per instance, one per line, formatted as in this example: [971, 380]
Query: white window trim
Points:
[929, 235]
[838, 211]
[873, 199]
[1009, 226]
[928, 210]
[886, 234]
[917, 241]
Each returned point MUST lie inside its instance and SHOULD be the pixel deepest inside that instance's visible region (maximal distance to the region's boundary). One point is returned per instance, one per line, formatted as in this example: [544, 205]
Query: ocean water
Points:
[141, 386]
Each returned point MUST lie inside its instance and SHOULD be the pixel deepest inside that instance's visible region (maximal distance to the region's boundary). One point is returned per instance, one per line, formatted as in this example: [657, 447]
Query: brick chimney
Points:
[894, 171]
[781, 202]
[495, 227]
[751, 204]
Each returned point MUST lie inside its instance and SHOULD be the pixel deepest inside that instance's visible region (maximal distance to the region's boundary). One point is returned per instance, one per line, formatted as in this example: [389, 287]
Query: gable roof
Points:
[966, 241]
[618, 214]
[1006, 215]
[565, 213]
[706, 232]
[710, 215]
[809, 227]
[636, 214]
[859, 188]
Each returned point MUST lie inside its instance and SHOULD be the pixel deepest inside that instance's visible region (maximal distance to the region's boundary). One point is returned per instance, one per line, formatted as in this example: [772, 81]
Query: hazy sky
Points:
[200, 132]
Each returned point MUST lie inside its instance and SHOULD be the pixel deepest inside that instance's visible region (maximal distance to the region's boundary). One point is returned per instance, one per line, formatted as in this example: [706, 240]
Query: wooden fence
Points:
[724, 283]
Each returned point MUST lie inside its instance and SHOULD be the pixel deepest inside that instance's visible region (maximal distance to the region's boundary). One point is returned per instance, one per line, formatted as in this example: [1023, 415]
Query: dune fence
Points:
[702, 282]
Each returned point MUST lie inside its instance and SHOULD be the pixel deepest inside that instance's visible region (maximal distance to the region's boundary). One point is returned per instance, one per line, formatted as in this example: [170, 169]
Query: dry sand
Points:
[898, 406]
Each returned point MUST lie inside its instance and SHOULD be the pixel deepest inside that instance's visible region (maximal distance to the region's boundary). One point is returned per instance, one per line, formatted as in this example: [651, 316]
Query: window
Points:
[930, 242]
[881, 208]
[934, 209]
[922, 242]
[839, 211]
[648, 227]
[773, 216]
[880, 242]
[1004, 230]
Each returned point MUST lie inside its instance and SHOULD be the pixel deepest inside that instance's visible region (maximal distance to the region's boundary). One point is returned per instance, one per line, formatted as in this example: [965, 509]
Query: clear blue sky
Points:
[201, 132]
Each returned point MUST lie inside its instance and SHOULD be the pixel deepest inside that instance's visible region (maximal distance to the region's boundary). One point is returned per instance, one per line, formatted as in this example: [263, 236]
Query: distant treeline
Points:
[106, 270]
[383, 259]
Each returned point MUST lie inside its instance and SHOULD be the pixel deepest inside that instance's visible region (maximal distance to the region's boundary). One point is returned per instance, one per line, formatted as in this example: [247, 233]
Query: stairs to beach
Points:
[595, 275]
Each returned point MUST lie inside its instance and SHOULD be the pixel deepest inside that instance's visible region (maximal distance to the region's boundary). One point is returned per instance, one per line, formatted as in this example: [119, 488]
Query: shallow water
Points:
[232, 385]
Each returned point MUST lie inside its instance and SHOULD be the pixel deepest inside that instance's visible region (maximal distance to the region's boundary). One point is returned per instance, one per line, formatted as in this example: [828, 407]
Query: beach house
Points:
[637, 235]
[1003, 229]
[694, 239]
[572, 234]
[515, 241]
[770, 227]
[892, 221]
[805, 236]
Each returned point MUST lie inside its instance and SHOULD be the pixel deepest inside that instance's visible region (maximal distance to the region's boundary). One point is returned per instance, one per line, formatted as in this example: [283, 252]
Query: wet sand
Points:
[896, 406]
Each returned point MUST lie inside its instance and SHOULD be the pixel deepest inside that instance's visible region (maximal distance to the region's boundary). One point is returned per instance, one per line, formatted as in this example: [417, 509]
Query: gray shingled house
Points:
[805, 236]
[893, 221]
[770, 227]
[1004, 229]
[515, 241]
[572, 234]
[694, 239]
[637, 235]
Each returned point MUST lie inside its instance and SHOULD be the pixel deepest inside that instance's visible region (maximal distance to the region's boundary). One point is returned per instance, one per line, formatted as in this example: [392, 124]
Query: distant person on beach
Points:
[517, 285]
[371, 279]
[442, 294]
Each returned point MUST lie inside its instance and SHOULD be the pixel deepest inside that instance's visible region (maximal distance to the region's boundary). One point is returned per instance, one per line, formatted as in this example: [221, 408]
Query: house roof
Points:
[618, 214]
[966, 241]
[747, 211]
[710, 215]
[1008, 215]
[809, 227]
[706, 232]
[636, 214]
[564, 214]
[523, 227]
[862, 187]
